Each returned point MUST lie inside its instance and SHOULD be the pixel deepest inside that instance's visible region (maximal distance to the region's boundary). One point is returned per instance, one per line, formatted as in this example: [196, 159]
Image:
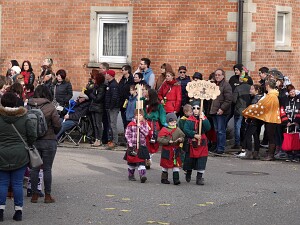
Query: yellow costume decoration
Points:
[267, 109]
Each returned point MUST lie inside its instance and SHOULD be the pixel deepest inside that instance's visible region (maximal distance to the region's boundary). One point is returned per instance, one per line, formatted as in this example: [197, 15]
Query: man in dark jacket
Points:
[72, 118]
[220, 109]
[241, 100]
[183, 79]
[112, 105]
[124, 88]
[234, 82]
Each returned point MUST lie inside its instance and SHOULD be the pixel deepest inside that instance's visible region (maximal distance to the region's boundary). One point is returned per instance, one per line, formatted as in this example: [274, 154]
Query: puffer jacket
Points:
[13, 154]
[51, 115]
[63, 91]
[241, 98]
[97, 96]
[223, 101]
[170, 92]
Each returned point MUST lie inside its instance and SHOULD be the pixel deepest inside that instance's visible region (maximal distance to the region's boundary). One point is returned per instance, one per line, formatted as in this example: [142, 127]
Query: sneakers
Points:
[18, 215]
[281, 155]
[241, 155]
[97, 143]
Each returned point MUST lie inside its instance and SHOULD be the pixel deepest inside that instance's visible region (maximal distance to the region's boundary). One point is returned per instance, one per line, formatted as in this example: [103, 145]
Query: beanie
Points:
[111, 73]
[238, 66]
[171, 117]
[198, 76]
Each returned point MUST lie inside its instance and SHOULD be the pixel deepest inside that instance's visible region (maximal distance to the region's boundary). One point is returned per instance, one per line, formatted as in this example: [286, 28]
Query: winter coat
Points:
[241, 98]
[80, 110]
[158, 115]
[290, 109]
[29, 77]
[97, 97]
[170, 92]
[223, 101]
[63, 91]
[112, 95]
[51, 116]
[267, 109]
[13, 154]
[170, 152]
[149, 77]
[184, 93]
[234, 81]
[130, 109]
[161, 78]
[124, 89]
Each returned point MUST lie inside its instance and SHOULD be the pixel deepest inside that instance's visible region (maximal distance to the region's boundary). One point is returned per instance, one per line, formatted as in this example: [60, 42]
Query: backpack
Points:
[37, 115]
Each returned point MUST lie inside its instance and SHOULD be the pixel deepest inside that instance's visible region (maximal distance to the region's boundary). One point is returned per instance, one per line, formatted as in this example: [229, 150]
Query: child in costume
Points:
[136, 155]
[170, 138]
[188, 111]
[196, 155]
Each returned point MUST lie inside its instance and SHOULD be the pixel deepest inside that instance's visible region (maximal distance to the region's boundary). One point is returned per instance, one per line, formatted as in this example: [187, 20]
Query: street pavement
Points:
[90, 186]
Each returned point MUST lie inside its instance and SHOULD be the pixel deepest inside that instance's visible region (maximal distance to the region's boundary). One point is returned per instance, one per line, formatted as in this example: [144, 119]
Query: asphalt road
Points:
[91, 187]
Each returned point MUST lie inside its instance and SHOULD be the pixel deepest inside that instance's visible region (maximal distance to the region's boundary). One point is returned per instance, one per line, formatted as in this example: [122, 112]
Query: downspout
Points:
[240, 31]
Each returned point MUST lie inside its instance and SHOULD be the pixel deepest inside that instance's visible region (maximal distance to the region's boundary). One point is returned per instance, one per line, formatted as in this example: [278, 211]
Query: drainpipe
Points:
[240, 31]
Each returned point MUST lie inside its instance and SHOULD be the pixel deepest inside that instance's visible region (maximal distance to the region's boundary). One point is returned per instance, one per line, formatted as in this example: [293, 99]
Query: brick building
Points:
[201, 35]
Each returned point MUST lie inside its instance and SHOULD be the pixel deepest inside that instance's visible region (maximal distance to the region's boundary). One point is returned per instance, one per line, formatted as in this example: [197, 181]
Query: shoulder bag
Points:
[34, 156]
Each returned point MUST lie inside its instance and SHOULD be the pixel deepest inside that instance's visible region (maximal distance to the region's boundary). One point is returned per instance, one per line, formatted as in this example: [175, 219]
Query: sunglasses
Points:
[196, 107]
[182, 72]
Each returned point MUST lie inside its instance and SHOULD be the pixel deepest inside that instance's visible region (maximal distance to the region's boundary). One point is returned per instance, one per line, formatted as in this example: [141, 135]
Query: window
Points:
[110, 36]
[283, 28]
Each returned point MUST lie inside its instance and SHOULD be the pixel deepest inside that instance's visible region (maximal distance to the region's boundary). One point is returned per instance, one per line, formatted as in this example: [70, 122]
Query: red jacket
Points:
[171, 92]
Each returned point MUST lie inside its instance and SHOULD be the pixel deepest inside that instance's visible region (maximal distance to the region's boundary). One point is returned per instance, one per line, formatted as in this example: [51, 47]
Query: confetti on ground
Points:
[163, 223]
[164, 204]
[209, 203]
[109, 195]
[125, 210]
[201, 205]
[150, 222]
[109, 208]
[254, 204]
[126, 199]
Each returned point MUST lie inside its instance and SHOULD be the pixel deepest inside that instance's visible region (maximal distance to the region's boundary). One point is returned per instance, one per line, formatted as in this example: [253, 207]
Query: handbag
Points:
[291, 141]
[34, 156]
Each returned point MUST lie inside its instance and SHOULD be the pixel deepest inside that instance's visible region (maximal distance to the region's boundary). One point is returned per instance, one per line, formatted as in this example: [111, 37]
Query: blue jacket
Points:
[131, 107]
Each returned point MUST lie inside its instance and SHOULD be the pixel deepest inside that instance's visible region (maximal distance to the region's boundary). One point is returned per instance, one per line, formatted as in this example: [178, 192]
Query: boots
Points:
[143, 177]
[270, 156]
[164, 178]
[35, 197]
[18, 215]
[176, 180]
[199, 179]
[131, 174]
[49, 199]
[188, 176]
[1, 215]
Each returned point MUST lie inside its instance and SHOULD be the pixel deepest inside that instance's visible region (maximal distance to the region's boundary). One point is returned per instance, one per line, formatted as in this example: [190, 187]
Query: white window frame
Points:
[109, 15]
[286, 43]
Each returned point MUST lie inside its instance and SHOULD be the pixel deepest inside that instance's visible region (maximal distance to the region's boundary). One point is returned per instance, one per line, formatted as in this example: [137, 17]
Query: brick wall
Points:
[191, 33]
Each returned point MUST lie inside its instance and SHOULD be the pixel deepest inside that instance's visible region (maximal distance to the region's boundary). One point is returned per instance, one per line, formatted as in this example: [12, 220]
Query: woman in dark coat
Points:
[27, 72]
[62, 88]
[13, 154]
[47, 145]
[97, 95]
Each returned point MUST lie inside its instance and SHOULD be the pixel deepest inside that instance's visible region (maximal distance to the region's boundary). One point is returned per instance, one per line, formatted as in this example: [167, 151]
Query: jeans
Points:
[97, 124]
[15, 178]
[237, 128]
[113, 114]
[47, 150]
[220, 127]
[68, 124]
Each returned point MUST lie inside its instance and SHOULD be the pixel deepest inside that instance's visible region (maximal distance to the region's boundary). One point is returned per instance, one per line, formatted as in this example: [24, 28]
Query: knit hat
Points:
[171, 117]
[17, 69]
[239, 66]
[195, 103]
[111, 73]
[198, 76]
[82, 95]
[276, 74]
